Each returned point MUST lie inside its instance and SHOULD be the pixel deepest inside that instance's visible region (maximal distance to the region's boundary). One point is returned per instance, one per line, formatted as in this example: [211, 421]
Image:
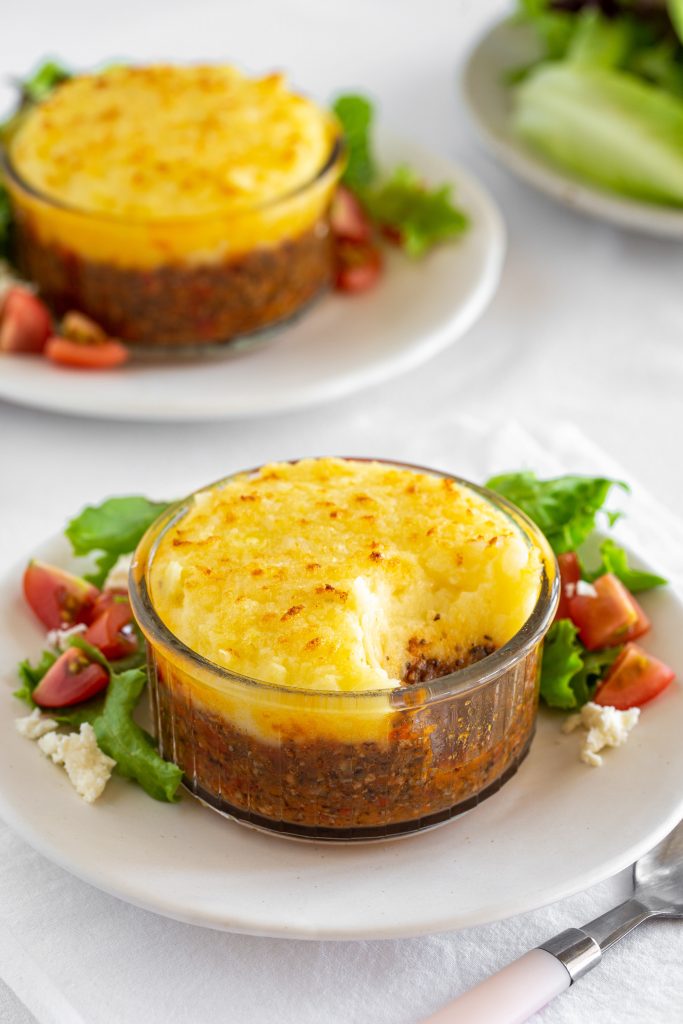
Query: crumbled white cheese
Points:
[118, 574]
[88, 768]
[584, 589]
[58, 639]
[605, 727]
[34, 726]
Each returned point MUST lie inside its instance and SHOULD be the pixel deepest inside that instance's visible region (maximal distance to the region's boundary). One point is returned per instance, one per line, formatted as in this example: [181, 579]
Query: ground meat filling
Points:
[178, 305]
[421, 669]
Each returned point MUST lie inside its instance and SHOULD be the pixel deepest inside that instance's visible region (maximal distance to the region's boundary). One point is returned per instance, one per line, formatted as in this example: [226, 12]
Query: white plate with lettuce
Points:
[589, 110]
[434, 287]
[557, 827]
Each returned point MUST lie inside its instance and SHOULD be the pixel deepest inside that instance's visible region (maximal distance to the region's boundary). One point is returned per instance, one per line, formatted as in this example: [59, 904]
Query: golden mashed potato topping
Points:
[171, 141]
[334, 575]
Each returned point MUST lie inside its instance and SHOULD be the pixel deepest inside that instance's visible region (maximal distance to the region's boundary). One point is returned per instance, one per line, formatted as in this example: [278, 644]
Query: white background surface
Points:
[587, 326]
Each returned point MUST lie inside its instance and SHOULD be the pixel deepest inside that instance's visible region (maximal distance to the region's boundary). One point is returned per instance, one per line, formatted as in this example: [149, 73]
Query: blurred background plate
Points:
[507, 46]
[341, 345]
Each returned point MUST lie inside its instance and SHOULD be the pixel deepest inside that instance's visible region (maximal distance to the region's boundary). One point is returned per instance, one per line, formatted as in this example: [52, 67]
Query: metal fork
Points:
[523, 987]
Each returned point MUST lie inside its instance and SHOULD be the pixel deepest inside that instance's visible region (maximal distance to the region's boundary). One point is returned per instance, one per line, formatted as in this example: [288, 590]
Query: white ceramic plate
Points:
[341, 345]
[555, 828]
[507, 46]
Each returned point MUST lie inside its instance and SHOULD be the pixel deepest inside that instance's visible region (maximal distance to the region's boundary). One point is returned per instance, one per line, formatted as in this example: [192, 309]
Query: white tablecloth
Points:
[587, 327]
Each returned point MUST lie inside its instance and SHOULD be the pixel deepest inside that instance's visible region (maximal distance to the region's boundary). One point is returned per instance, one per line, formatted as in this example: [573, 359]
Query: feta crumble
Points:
[58, 639]
[88, 768]
[34, 726]
[605, 727]
[118, 574]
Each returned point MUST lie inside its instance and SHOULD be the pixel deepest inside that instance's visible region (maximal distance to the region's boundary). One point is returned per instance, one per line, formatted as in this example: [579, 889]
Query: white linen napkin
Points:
[74, 955]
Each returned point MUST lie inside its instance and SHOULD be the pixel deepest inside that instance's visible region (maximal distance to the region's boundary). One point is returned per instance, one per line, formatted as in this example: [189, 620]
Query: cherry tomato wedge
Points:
[99, 356]
[348, 219]
[570, 574]
[105, 600]
[612, 616]
[58, 598]
[73, 678]
[25, 324]
[109, 634]
[633, 679]
[359, 266]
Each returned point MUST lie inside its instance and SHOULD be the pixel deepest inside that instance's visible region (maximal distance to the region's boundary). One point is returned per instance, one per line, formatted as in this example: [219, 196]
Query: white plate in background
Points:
[342, 344]
[506, 46]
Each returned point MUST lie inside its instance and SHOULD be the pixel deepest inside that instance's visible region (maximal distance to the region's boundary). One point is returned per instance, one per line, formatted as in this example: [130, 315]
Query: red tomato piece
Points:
[58, 598]
[105, 600]
[612, 616]
[359, 266]
[25, 324]
[79, 327]
[348, 219]
[392, 234]
[112, 633]
[633, 679]
[72, 679]
[570, 574]
[100, 356]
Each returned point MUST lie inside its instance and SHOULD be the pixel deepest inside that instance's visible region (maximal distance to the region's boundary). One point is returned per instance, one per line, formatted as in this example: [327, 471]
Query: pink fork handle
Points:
[510, 996]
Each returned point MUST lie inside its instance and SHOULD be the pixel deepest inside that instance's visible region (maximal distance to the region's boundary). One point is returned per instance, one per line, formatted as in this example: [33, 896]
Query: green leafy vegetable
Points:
[113, 528]
[30, 676]
[422, 217]
[615, 560]
[39, 85]
[607, 126]
[355, 114]
[561, 662]
[564, 507]
[600, 42]
[675, 9]
[570, 673]
[119, 736]
[595, 665]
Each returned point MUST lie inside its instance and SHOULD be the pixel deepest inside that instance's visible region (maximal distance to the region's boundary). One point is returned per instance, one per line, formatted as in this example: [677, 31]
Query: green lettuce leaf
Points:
[421, 216]
[600, 42]
[355, 114]
[113, 528]
[606, 126]
[564, 507]
[119, 736]
[595, 665]
[562, 661]
[615, 560]
[42, 82]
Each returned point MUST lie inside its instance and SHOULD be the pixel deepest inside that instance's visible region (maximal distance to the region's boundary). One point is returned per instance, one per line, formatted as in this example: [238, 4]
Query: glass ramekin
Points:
[419, 754]
[179, 284]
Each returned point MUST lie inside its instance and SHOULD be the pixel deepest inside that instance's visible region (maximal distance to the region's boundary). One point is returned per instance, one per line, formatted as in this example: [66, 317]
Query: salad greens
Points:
[566, 509]
[119, 736]
[402, 205]
[605, 98]
[113, 528]
[355, 114]
[111, 716]
[615, 560]
[570, 673]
